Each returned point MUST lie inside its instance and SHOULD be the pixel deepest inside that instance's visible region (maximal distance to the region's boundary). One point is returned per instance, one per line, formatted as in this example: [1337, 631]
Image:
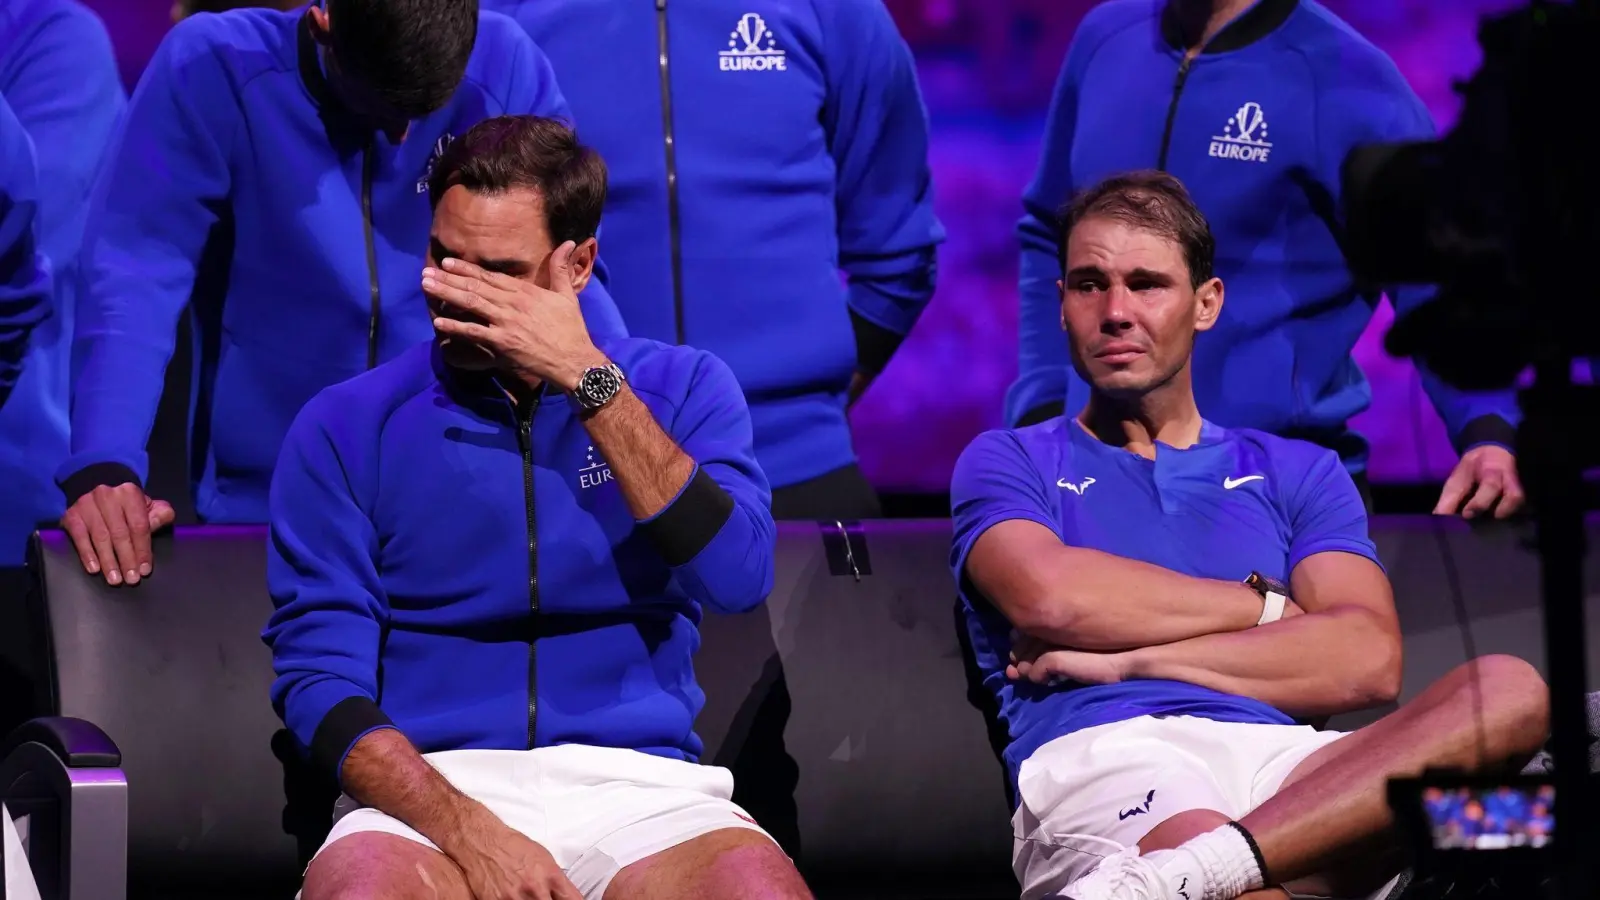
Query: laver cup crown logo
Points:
[1244, 137]
[752, 47]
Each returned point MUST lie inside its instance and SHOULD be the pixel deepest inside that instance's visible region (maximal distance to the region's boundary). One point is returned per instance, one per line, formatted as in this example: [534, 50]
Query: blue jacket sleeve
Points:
[24, 273]
[1044, 366]
[161, 189]
[877, 130]
[1368, 101]
[718, 534]
[531, 89]
[66, 91]
[329, 607]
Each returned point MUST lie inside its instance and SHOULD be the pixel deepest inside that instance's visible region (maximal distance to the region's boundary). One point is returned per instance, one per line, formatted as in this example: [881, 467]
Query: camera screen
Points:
[1490, 818]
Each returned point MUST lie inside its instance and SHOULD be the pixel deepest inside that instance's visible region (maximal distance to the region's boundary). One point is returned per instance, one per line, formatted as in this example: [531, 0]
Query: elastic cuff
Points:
[1261, 862]
[875, 344]
[349, 721]
[690, 521]
[1490, 429]
[1042, 413]
[88, 478]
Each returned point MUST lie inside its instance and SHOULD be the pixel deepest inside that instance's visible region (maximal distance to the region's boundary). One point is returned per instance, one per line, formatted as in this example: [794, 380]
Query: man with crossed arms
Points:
[1122, 574]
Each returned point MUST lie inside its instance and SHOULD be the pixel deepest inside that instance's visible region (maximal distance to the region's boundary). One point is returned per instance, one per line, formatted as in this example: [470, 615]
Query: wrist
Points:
[571, 372]
[1138, 663]
[464, 827]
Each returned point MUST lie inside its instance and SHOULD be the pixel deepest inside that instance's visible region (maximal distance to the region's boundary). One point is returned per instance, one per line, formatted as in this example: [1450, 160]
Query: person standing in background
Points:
[58, 75]
[756, 151]
[1254, 104]
[273, 173]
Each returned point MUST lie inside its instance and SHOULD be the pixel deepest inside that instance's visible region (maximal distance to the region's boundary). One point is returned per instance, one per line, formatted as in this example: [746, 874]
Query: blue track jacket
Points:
[470, 573]
[301, 239]
[756, 150]
[1257, 127]
[59, 75]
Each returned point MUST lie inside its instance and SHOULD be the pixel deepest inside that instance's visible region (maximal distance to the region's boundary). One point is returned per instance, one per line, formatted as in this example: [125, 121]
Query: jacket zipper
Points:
[674, 237]
[525, 443]
[368, 163]
[1172, 110]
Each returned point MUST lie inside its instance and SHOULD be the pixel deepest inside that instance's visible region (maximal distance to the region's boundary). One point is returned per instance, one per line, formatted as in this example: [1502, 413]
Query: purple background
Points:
[987, 68]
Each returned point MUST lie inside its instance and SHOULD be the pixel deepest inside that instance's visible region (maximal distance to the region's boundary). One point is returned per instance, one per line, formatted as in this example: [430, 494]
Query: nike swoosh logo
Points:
[1231, 483]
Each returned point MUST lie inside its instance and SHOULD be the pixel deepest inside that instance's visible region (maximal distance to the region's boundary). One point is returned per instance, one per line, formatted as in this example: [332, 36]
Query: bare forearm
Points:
[1318, 664]
[1096, 601]
[385, 772]
[647, 464]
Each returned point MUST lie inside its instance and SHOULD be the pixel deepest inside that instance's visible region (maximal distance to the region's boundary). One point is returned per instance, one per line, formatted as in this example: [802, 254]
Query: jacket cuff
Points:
[1489, 429]
[875, 344]
[690, 521]
[88, 478]
[1042, 413]
[350, 720]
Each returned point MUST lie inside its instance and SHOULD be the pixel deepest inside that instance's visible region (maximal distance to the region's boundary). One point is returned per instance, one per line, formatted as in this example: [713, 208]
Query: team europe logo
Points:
[752, 47]
[433, 160]
[1244, 137]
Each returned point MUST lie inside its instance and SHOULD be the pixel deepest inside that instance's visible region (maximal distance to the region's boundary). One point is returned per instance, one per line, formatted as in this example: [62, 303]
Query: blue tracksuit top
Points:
[59, 75]
[300, 239]
[756, 150]
[1257, 127]
[472, 575]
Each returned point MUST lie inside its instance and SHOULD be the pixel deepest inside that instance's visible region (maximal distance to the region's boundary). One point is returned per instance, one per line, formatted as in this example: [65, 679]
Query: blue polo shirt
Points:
[1238, 501]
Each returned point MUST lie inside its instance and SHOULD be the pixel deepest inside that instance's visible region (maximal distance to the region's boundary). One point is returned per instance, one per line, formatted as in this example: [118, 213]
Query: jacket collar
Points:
[1254, 24]
[477, 390]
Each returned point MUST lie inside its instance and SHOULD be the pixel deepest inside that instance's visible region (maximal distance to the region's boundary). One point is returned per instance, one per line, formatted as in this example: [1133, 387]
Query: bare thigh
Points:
[728, 864]
[376, 866]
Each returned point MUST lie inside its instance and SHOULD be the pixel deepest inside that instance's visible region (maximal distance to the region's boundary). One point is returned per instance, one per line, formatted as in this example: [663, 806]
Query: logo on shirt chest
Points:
[595, 471]
[1244, 137]
[752, 47]
[439, 147]
[1077, 487]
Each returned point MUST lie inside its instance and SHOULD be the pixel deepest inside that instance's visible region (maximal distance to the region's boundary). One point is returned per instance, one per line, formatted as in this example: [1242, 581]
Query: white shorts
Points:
[596, 809]
[1121, 780]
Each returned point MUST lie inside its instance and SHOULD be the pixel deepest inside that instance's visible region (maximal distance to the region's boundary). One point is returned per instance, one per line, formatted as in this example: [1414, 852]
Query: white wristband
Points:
[1272, 607]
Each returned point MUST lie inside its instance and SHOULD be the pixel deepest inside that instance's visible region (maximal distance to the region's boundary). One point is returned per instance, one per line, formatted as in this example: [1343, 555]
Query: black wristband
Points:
[1255, 849]
[1042, 413]
[338, 731]
[875, 344]
[1486, 430]
[688, 524]
[88, 478]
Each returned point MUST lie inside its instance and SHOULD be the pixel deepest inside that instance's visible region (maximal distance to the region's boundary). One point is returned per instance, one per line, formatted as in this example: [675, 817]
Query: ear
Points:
[1208, 304]
[319, 24]
[581, 263]
[1061, 288]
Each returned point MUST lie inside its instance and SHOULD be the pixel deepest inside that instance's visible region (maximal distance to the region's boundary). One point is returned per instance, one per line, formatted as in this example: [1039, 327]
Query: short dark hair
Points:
[412, 53]
[1152, 201]
[506, 152]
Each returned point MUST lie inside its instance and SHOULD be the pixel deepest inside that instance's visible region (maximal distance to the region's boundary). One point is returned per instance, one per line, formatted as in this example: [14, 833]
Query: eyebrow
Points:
[1133, 274]
[503, 266]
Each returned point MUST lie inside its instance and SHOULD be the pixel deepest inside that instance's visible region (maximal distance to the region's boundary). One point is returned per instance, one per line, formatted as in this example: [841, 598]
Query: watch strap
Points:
[1272, 605]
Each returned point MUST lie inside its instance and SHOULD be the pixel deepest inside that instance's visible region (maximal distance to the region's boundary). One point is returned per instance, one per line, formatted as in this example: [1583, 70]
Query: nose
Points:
[1116, 316]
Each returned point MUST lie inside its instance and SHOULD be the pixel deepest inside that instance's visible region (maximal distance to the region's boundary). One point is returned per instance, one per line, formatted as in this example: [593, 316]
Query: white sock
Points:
[1222, 859]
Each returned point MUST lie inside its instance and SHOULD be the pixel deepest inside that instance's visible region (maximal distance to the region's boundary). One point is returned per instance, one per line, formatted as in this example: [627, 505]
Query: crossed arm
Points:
[1094, 617]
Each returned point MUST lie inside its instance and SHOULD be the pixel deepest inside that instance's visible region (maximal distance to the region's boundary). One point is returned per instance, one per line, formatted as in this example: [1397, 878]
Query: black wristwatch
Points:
[598, 386]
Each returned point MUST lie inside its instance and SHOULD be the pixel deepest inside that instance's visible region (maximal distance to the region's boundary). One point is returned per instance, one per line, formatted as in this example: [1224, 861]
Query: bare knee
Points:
[377, 866]
[728, 864]
[1180, 828]
[1516, 703]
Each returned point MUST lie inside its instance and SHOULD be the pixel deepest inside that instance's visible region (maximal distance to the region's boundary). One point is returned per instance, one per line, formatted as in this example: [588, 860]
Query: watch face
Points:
[1264, 583]
[599, 385]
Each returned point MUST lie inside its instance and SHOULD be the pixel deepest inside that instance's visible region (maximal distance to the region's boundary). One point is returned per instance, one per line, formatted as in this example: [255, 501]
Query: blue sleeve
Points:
[1326, 512]
[329, 606]
[877, 131]
[1368, 102]
[994, 481]
[67, 93]
[717, 534]
[163, 186]
[531, 89]
[1044, 366]
[25, 297]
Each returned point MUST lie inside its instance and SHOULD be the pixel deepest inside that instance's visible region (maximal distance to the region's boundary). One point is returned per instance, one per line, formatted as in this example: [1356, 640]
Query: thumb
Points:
[561, 269]
[161, 514]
